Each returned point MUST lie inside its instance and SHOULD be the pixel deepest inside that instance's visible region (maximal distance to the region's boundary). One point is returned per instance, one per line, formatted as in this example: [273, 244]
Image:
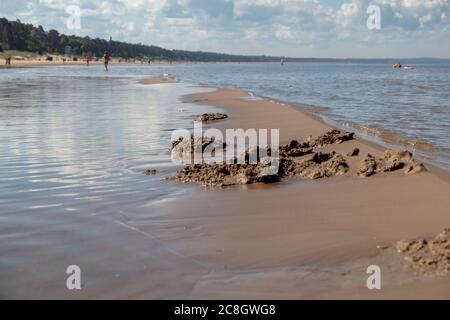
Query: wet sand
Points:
[301, 238]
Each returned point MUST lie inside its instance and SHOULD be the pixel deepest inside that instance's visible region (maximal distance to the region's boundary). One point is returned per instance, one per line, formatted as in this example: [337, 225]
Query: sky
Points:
[296, 28]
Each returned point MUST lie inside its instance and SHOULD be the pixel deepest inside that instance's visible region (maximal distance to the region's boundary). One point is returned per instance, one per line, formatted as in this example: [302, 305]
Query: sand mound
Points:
[206, 117]
[432, 257]
[389, 161]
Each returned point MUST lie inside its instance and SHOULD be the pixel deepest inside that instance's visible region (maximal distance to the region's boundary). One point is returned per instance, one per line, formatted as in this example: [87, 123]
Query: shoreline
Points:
[21, 64]
[362, 132]
[370, 140]
[301, 238]
[327, 124]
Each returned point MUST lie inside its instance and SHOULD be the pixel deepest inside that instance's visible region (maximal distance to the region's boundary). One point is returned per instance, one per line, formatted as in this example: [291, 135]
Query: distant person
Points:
[106, 59]
[8, 61]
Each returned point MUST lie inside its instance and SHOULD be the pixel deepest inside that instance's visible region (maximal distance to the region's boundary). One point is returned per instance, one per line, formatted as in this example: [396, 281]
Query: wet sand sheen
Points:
[304, 239]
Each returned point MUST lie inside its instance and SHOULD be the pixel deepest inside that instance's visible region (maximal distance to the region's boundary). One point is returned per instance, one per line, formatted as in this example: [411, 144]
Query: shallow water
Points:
[74, 143]
[71, 138]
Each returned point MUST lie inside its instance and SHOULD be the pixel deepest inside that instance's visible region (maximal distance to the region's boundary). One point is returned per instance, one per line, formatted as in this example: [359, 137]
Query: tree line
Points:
[15, 35]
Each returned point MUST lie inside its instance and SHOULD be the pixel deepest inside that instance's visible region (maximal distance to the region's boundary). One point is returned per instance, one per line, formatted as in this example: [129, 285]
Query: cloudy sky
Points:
[301, 28]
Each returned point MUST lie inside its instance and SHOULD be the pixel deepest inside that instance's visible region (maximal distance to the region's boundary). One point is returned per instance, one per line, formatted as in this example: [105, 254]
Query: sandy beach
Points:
[41, 63]
[31, 63]
[301, 238]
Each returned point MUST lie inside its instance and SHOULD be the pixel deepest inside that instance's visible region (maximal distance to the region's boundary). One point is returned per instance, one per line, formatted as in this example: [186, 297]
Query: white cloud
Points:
[251, 35]
[283, 32]
[347, 13]
[424, 19]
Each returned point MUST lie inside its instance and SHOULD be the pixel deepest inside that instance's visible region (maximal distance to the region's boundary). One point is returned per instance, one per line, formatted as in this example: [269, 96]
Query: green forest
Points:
[15, 35]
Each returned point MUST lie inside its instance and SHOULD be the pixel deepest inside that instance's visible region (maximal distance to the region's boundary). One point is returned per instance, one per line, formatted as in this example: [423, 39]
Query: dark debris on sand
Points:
[206, 117]
[353, 153]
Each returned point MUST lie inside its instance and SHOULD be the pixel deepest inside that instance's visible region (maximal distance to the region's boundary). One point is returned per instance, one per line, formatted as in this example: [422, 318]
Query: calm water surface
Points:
[73, 147]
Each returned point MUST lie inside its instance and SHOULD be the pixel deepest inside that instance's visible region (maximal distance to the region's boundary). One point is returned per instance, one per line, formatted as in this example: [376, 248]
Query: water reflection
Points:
[70, 138]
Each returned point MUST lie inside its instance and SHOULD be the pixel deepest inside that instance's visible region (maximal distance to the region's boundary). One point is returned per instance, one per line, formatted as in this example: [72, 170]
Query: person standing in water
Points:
[106, 60]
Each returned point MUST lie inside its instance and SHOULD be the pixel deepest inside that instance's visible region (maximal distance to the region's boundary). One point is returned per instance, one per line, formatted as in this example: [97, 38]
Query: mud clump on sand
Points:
[206, 117]
[252, 166]
[431, 257]
[226, 174]
[185, 150]
[295, 160]
[332, 137]
[315, 166]
[298, 149]
[295, 149]
[389, 161]
[367, 167]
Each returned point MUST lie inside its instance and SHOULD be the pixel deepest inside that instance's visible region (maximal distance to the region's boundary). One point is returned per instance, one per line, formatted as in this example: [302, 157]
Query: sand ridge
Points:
[158, 80]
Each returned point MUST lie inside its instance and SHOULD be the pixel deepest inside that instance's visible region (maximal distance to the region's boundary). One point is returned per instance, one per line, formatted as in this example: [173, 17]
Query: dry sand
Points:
[37, 63]
[301, 238]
